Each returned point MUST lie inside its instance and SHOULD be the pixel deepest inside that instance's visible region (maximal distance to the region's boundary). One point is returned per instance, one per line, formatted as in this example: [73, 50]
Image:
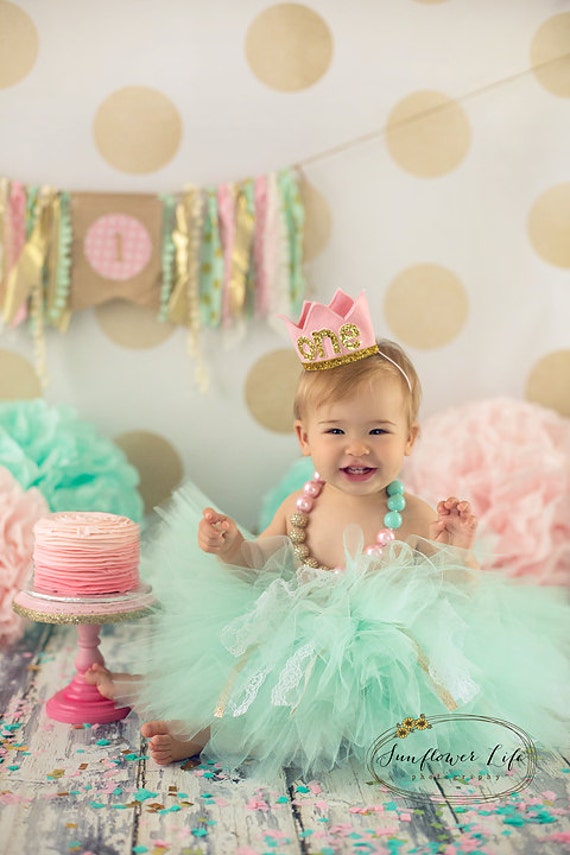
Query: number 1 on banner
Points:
[118, 246]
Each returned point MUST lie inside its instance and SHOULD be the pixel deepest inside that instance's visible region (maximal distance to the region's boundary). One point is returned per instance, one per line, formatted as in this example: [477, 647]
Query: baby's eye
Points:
[378, 431]
[335, 431]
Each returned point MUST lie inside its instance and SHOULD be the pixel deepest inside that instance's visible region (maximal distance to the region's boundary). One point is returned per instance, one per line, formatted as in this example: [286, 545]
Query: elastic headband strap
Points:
[400, 369]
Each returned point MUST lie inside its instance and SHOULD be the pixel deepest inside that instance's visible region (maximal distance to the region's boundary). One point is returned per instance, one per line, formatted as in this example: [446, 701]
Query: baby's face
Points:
[359, 443]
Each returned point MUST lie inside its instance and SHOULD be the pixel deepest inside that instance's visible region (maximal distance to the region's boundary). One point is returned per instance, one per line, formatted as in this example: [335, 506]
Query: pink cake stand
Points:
[79, 702]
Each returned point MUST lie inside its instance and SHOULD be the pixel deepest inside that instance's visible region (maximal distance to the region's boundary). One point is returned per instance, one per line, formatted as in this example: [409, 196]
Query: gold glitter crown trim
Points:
[345, 359]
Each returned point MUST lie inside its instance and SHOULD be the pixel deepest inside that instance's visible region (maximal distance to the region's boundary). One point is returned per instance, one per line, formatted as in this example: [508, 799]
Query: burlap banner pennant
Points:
[116, 251]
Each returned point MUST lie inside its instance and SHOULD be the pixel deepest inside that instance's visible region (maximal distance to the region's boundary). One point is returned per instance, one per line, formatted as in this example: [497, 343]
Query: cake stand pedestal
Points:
[80, 702]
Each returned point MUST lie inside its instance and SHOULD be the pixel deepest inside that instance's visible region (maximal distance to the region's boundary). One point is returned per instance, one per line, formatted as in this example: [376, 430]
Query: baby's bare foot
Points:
[98, 675]
[166, 748]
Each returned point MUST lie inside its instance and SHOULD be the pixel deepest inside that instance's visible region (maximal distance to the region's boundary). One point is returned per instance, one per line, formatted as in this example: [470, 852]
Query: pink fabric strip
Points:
[261, 290]
[16, 236]
[226, 215]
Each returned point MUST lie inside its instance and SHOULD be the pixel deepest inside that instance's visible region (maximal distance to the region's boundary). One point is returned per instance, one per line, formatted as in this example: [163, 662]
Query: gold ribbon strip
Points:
[229, 684]
[27, 274]
[4, 197]
[241, 253]
[184, 304]
[177, 308]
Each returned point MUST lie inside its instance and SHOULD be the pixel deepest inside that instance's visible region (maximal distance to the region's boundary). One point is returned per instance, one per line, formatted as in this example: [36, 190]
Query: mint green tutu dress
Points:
[295, 666]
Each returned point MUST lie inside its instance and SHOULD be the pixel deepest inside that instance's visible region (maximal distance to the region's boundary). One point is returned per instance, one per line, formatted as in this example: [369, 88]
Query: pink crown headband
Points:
[342, 332]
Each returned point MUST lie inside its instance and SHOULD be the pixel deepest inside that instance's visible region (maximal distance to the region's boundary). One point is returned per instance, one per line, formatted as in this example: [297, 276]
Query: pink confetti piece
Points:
[367, 809]
[558, 837]
[405, 817]
[548, 794]
[10, 798]
[315, 788]
[257, 804]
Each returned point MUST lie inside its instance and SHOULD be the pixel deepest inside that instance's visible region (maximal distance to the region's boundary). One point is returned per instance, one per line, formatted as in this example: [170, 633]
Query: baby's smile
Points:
[358, 473]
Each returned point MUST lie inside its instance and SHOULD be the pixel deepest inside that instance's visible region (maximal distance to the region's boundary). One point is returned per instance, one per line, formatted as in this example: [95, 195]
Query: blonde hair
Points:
[335, 384]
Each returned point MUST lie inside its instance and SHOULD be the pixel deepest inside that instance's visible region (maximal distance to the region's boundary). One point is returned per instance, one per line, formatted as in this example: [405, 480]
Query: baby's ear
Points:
[302, 437]
[413, 435]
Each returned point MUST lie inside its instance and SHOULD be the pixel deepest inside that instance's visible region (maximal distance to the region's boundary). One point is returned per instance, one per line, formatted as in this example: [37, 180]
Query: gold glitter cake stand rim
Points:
[28, 604]
[117, 617]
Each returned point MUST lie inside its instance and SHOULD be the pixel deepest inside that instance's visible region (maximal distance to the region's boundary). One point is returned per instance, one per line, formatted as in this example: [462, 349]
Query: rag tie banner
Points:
[213, 257]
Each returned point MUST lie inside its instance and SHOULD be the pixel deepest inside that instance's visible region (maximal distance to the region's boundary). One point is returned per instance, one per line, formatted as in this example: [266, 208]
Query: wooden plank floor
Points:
[66, 789]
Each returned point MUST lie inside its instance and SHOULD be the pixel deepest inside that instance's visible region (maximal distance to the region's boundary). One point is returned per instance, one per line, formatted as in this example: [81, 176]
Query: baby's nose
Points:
[357, 448]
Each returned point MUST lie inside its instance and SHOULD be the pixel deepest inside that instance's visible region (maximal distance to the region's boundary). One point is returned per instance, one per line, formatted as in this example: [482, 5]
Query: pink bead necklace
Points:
[300, 520]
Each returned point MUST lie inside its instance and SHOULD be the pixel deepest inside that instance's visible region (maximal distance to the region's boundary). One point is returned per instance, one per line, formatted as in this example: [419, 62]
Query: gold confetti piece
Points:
[83, 766]
[70, 824]
[57, 773]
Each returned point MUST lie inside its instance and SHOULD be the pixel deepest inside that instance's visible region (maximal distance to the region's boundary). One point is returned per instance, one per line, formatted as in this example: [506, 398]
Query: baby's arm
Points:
[455, 525]
[220, 535]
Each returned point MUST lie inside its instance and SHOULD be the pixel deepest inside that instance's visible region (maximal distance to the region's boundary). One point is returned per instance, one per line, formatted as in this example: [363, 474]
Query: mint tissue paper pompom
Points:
[67, 460]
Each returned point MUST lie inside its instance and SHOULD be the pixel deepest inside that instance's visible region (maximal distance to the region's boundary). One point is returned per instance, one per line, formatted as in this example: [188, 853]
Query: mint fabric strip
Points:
[211, 264]
[294, 215]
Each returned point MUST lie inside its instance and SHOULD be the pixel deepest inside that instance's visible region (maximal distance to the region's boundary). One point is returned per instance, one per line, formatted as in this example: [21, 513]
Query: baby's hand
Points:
[455, 524]
[218, 534]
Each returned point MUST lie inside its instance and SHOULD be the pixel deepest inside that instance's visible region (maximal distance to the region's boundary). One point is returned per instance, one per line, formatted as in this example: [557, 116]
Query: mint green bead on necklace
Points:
[395, 488]
[396, 503]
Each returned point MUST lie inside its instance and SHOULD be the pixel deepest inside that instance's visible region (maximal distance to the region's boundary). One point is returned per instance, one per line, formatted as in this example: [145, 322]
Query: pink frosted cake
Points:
[79, 554]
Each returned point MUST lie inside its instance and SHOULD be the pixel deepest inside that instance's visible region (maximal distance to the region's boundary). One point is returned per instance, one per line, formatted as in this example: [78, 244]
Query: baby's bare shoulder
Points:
[281, 520]
[419, 515]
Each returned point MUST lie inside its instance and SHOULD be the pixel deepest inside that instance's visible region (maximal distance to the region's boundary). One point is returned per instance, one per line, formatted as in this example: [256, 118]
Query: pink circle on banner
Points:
[117, 246]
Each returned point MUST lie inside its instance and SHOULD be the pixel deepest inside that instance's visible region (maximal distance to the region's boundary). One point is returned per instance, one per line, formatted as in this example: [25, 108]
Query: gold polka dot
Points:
[317, 221]
[18, 378]
[549, 225]
[270, 390]
[428, 134]
[18, 44]
[550, 55]
[288, 47]
[137, 129]
[548, 383]
[426, 306]
[132, 326]
[158, 464]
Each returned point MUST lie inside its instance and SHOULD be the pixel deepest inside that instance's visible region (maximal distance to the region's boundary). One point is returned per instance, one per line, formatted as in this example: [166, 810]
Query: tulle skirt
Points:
[291, 665]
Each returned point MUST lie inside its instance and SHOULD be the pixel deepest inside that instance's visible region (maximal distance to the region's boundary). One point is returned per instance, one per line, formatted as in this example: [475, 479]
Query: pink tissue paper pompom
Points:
[511, 460]
[19, 511]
